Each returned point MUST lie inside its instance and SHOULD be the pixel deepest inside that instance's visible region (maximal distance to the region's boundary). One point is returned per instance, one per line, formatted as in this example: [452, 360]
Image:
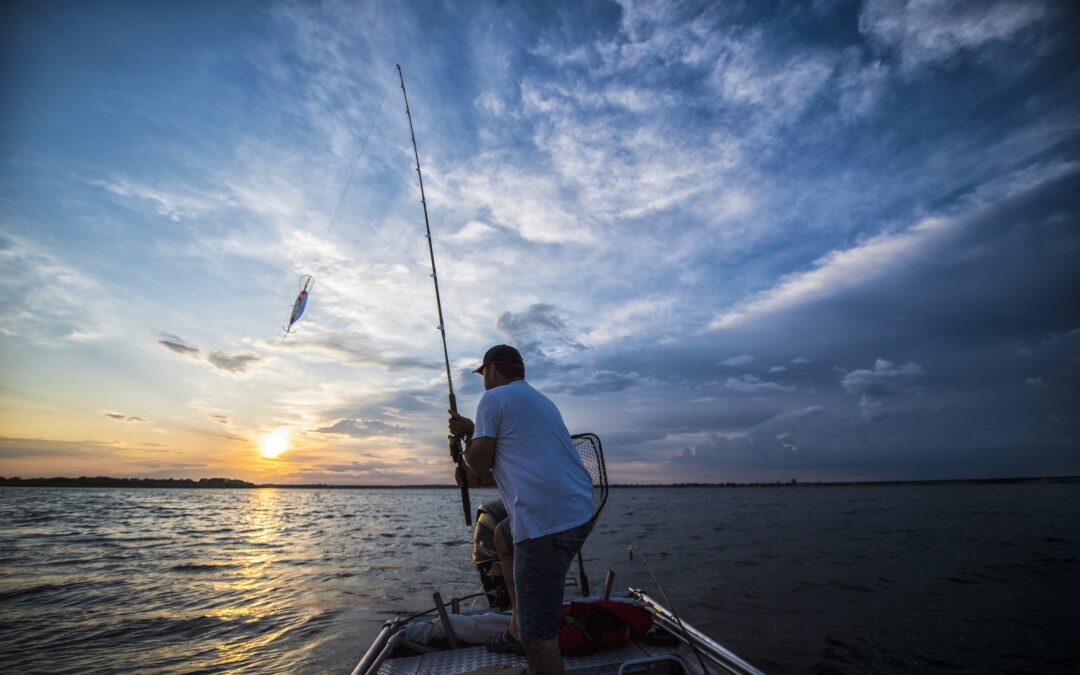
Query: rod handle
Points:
[608, 581]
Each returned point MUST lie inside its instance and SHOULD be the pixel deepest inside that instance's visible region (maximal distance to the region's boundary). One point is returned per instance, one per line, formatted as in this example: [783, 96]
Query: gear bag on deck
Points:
[588, 627]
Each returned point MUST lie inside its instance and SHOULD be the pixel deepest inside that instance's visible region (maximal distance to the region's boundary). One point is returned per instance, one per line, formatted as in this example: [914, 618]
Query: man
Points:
[519, 436]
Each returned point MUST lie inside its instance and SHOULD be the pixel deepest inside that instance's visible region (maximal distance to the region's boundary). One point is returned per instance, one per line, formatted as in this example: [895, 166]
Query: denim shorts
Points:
[540, 567]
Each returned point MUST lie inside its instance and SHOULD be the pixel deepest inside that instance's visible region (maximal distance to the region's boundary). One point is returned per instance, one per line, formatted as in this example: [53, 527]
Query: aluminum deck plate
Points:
[470, 658]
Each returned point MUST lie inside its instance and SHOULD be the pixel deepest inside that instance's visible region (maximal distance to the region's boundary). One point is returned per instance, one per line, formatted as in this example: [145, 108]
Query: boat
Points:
[449, 637]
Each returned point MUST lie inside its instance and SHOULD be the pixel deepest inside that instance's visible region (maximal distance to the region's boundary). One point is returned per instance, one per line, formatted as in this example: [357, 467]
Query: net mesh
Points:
[592, 456]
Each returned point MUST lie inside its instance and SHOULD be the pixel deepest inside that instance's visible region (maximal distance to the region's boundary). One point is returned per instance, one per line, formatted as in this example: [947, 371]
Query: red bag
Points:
[588, 627]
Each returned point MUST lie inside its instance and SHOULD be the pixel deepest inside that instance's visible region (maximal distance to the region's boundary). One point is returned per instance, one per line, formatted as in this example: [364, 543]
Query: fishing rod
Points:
[682, 628]
[456, 452]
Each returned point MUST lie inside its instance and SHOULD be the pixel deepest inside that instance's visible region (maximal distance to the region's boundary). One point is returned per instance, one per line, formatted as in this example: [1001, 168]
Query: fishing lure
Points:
[306, 283]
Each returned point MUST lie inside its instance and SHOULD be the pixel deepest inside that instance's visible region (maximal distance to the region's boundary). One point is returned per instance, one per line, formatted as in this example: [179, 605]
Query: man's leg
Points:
[505, 549]
[540, 571]
[544, 657]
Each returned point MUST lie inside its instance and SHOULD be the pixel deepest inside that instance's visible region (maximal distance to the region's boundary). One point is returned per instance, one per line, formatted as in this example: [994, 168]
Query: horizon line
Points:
[232, 483]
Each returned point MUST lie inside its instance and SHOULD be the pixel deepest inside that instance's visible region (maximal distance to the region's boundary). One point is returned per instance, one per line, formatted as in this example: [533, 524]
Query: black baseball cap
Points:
[501, 355]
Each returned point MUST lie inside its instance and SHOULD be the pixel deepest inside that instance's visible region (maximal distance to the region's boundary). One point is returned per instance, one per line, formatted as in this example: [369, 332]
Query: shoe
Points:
[505, 643]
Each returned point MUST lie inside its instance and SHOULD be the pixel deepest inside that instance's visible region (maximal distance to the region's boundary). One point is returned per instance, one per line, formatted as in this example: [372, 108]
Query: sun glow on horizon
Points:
[275, 443]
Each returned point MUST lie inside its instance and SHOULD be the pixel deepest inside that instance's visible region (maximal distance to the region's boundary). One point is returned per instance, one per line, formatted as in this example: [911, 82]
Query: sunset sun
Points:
[273, 444]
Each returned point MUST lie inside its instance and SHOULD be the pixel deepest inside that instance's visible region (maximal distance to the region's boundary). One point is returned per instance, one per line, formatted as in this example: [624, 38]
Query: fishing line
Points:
[307, 281]
[356, 163]
[674, 612]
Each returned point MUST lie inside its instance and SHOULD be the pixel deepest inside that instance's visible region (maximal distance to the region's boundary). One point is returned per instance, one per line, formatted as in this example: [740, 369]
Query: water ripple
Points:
[838, 580]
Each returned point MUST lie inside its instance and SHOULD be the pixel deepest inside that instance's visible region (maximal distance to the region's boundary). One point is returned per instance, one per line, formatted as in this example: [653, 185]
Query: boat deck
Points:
[470, 658]
[673, 647]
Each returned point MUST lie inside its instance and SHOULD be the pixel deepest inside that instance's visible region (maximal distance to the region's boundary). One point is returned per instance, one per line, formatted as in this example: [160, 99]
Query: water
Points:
[974, 578]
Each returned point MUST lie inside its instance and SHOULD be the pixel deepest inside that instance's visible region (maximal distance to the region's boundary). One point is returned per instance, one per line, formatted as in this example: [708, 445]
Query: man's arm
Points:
[480, 455]
[479, 452]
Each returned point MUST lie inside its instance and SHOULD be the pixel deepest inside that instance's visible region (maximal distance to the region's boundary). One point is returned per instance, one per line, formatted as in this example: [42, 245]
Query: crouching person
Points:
[519, 437]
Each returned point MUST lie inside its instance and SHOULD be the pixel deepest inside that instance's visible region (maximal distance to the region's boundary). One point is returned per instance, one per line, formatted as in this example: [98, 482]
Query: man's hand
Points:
[461, 427]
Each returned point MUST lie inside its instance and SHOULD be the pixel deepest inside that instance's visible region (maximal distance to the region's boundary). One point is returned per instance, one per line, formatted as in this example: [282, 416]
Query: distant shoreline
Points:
[230, 483]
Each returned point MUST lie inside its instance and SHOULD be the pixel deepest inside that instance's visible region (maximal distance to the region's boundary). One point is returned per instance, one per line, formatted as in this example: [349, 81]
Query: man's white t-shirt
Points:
[538, 471]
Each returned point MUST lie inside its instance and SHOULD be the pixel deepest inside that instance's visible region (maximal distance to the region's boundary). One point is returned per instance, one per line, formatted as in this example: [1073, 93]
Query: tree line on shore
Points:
[108, 481]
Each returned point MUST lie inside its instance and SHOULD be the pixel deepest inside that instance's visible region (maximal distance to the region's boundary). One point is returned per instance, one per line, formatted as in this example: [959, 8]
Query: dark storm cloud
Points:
[884, 379]
[964, 360]
[735, 452]
[920, 158]
[178, 345]
[537, 318]
[711, 414]
[752, 384]
[598, 382]
[543, 338]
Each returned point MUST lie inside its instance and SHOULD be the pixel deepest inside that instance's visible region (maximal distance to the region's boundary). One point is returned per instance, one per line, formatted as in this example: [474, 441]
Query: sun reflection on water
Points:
[255, 580]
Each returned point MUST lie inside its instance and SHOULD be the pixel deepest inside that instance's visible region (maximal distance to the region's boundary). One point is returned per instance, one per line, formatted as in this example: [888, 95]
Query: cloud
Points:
[636, 317]
[473, 232]
[738, 361]
[176, 208]
[598, 382]
[1035, 383]
[808, 411]
[780, 88]
[837, 271]
[359, 428]
[221, 361]
[750, 384]
[45, 299]
[884, 380]
[603, 183]
[860, 83]
[233, 363]
[176, 344]
[646, 170]
[360, 468]
[125, 418]
[20, 448]
[933, 31]
[536, 319]
[524, 200]
[544, 339]
[721, 451]
[355, 351]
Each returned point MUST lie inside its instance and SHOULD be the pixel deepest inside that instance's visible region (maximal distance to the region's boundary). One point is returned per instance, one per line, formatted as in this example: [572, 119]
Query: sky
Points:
[739, 241]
